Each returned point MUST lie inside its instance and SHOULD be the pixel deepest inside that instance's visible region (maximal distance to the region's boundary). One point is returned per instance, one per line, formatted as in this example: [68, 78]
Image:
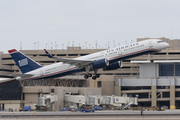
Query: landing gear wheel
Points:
[86, 76]
[97, 75]
[94, 77]
[90, 75]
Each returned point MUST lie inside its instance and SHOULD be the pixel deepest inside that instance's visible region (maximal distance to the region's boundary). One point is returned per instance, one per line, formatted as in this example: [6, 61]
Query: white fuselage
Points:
[113, 55]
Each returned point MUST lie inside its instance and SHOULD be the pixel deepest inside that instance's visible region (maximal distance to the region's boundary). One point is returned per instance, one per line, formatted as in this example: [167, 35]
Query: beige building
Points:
[110, 83]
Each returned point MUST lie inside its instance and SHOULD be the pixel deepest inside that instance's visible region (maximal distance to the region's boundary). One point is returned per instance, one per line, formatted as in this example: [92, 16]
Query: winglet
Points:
[47, 53]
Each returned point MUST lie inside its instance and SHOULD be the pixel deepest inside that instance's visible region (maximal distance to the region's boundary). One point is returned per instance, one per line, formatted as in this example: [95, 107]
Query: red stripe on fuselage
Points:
[52, 73]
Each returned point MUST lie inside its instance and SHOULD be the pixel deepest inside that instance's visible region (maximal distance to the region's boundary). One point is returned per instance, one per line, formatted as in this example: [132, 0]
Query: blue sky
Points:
[84, 22]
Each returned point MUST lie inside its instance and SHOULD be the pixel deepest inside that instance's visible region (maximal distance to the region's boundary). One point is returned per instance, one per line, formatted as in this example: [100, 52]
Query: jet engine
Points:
[100, 63]
[113, 66]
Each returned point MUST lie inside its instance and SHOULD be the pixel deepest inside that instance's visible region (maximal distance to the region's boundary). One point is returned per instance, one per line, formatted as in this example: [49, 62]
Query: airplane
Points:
[110, 59]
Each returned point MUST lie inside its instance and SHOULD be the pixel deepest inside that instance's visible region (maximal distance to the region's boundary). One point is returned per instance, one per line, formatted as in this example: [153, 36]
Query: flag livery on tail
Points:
[24, 63]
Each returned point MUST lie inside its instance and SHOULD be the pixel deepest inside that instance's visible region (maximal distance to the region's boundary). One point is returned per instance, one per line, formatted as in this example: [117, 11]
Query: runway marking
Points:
[166, 118]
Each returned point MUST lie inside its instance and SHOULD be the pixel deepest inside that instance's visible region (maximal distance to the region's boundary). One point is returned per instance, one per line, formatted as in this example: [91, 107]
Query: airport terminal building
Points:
[156, 84]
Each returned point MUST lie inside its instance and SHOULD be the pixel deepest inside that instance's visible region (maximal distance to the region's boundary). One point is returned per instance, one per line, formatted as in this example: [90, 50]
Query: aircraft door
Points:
[41, 72]
[120, 52]
[150, 44]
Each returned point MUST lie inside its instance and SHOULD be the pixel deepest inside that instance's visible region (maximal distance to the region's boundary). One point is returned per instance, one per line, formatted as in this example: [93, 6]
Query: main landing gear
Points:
[87, 75]
[95, 76]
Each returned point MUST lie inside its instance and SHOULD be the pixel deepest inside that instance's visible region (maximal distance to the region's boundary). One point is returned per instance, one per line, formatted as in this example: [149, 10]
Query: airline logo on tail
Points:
[23, 62]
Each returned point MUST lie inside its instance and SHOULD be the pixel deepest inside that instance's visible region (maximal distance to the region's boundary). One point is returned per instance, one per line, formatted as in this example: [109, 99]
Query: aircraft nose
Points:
[167, 45]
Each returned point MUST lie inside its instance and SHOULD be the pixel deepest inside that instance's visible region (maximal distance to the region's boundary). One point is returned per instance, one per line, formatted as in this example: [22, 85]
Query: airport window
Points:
[61, 54]
[73, 55]
[163, 87]
[166, 69]
[126, 60]
[11, 91]
[177, 94]
[6, 58]
[166, 94]
[52, 90]
[134, 74]
[125, 67]
[143, 95]
[174, 53]
[159, 53]
[177, 69]
[42, 55]
[135, 88]
[99, 84]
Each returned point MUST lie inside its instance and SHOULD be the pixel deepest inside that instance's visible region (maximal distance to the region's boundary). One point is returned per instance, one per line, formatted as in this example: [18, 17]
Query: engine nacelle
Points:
[100, 63]
[113, 66]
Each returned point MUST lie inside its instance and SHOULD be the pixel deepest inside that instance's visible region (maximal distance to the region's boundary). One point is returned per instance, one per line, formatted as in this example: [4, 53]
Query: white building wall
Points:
[148, 70]
[12, 106]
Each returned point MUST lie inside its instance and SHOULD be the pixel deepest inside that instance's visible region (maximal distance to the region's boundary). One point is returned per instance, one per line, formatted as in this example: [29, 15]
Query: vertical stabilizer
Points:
[24, 63]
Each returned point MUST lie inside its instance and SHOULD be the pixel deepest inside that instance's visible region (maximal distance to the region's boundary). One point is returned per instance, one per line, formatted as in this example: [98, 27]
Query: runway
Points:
[97, 115]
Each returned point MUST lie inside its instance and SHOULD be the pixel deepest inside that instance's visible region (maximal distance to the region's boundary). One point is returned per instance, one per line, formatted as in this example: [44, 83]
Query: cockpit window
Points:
[160, 41]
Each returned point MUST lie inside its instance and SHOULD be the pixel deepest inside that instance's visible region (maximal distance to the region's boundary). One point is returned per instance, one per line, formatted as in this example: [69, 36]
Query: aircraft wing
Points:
[70, 61]
[21, 75]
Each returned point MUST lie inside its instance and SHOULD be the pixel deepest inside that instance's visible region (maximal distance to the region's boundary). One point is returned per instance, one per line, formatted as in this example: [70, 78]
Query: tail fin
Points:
[24, 63]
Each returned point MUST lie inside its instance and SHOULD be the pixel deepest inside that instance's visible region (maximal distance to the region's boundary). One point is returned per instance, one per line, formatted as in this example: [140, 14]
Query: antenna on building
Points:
[108, 44]
[96, 44]
[51, 45]
[113, 43]
[21, 45]
[34, 45]
[55, 45]
[38, 45]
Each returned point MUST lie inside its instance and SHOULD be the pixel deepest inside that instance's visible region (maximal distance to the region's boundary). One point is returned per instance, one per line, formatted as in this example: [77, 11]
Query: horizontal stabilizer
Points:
[21, 75]
[5, 80]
